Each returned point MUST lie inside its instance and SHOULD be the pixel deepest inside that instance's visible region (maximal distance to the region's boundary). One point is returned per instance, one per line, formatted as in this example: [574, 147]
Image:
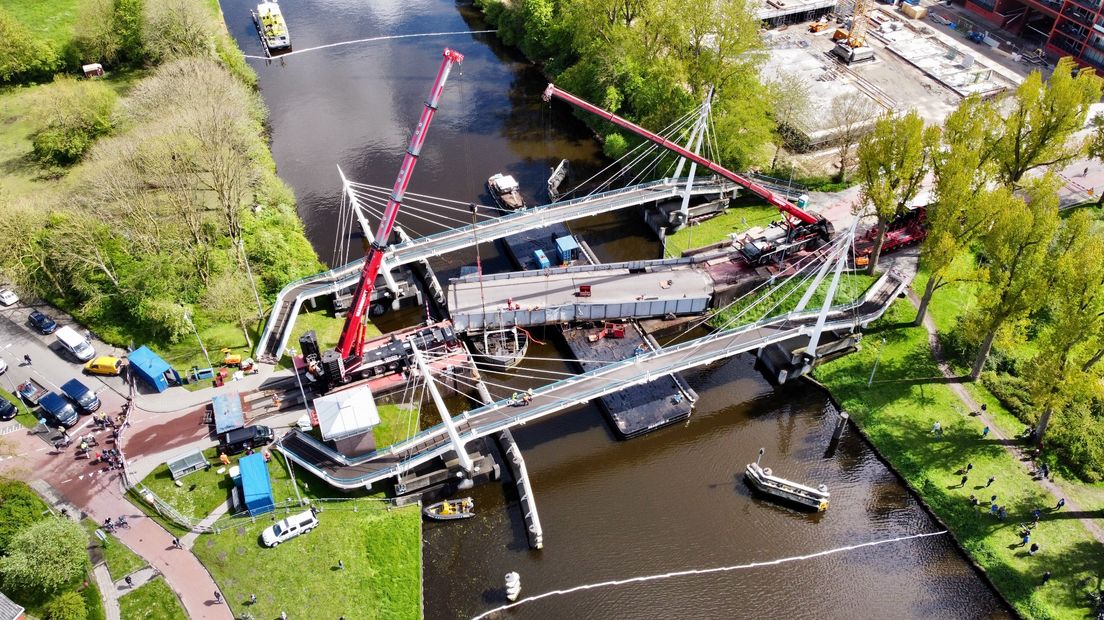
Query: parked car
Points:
[31, 391]
[242, 439]
[104, 365]
[289, 528]
[3, 367]
[42, 323]
[8, 297]
[81, 394]
[8, 411]
[58, 411]
[75, 343]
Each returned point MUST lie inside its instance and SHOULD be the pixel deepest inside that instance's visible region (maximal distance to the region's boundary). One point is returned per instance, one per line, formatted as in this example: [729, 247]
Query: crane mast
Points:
[783, 205]
[350, 346]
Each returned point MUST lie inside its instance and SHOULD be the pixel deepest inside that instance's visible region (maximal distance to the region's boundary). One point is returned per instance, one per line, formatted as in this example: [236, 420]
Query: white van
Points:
[289, 528]
[75, 343]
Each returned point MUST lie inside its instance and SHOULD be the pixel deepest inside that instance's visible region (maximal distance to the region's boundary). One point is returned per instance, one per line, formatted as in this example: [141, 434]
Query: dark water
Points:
[668, 501]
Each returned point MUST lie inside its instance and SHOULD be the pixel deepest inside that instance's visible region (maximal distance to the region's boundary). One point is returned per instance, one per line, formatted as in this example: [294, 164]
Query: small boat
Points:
[762, 480]
[554, 181]
[271, 26]
[503, 348]
[450, 509]
[504, 190]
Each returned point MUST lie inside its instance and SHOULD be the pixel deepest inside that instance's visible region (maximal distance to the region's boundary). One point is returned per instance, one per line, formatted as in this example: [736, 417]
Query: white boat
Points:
[450, 509]
[554, 181]
[271, 26]
[764, 482]
[504, 189]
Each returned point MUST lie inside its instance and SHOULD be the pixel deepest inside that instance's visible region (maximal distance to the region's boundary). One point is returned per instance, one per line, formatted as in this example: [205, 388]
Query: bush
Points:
[46, 556]
[615, 145]
[23, 56]
[67, 606]
[181, 27]
[111, 31]
[70, 115]
[19, 507]
[1011, 391]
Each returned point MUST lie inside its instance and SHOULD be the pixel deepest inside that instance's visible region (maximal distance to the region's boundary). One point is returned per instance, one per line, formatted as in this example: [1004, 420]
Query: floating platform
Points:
[643, 408]
[762, 480]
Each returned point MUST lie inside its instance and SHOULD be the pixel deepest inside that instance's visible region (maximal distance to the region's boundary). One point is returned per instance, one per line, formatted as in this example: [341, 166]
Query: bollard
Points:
[513, 586]
[840, 425]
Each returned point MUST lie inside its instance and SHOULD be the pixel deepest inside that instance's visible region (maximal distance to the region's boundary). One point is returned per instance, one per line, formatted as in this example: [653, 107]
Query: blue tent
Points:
[255, 485]
[152, 369]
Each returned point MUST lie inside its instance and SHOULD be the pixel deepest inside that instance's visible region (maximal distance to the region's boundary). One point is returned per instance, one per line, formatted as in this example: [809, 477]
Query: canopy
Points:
[256, 487]
[151, 368]
[346, 413]
[228, 412]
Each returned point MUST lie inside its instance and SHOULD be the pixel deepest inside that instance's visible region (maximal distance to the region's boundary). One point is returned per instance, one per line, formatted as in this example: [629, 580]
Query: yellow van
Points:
[104, 365]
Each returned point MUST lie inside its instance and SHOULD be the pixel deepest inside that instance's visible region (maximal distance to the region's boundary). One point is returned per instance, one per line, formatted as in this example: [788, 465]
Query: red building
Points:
[1060, 27]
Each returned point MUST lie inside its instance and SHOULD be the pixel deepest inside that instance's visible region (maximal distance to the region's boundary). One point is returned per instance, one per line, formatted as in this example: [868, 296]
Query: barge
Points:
[764, 482]
[506, 192]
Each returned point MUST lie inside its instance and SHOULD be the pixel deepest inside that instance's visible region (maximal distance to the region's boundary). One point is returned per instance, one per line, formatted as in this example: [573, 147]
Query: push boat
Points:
[450, 509]
[271, 26]
[502, 348]
[764, 482]
[504, 189]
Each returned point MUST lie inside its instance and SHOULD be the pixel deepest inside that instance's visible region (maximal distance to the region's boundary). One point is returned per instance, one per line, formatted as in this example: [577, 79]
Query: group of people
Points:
[522, 398]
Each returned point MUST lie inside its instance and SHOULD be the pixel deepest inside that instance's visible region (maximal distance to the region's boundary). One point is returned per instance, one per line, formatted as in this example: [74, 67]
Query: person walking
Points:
[1026, 539]
[176, 544]
[1034, 549]
[26, 360]
[218, 597]
[340, 565]
[129, 581]
[1061, 502]
[985, 432]
[962, 483]
[937, 429]
[991, 480]
[252, 599]
[1046, 578]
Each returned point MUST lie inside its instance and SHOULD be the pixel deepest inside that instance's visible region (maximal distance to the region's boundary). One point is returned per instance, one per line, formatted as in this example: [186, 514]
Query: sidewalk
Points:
[176, 399]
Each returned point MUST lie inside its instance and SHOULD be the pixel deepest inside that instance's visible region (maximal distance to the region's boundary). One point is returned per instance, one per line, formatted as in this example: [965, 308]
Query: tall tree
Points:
[1042, 118]
[962, 206]
[851, 114]
[894, 158]
[792, 104]
[1016, 248]
[45, 556]
[1076, 299]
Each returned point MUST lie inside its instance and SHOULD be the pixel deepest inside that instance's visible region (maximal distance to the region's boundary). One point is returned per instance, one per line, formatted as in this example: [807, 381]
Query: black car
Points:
[242, 439]
[41, 322]
[7, 410]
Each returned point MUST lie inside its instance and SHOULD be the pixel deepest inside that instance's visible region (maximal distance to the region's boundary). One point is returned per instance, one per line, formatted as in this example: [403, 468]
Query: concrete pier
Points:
[516, 463]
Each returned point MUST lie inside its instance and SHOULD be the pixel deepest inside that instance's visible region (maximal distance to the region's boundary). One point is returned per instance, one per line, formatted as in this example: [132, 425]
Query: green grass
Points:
[395, 424]
[785, 297]
[954, 299]
[717, 228]
[326, 326]
[93, 602]
[200, 492]
[120, 560]
[52, 21]
[380, 550]
[897, 413]
[24, 417]
[153, 600]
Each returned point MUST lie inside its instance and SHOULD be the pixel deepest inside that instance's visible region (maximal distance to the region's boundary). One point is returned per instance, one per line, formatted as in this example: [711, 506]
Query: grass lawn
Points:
[24, 416]
[380, 549]
[785, 297]
[52, 21]
[152, 601]
[396, 424]
[717, 228]
[93, 603]
[326, 326]
[953, 299]
[897, 413]
[120, 560]
[201, 492]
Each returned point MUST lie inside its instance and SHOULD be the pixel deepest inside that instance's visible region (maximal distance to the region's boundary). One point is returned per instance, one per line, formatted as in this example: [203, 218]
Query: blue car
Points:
[44, 324]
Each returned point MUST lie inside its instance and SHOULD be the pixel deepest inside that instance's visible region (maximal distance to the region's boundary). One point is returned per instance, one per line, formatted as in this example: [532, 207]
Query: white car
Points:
[8, 297]
[3, 367]
[289, 528]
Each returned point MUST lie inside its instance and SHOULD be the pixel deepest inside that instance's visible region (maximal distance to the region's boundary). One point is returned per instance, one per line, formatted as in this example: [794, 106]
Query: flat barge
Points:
[765, 483]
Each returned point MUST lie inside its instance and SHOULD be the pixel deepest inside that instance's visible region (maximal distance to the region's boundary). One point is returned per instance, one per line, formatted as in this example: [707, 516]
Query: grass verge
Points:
[24, 416]
[717, 228]
[396, 424]
[897, 412]
[120, 560]
[379, 548]
[153, 600]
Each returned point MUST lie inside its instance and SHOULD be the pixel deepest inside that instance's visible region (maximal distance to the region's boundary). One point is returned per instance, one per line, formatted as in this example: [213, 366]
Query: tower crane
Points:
[851, 44]
[339, 363]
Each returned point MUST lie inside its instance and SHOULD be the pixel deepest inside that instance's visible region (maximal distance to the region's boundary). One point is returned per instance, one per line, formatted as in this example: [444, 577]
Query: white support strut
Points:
[446, 417]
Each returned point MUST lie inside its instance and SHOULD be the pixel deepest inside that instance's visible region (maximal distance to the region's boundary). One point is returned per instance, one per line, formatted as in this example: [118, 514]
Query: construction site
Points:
[862, 60]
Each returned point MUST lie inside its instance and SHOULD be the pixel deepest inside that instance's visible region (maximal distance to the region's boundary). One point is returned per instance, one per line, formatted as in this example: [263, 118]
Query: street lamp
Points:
[188, 318]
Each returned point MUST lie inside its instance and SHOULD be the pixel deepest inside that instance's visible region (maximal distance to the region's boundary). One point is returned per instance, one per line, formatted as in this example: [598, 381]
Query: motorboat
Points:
[450, 509]
[271, 26]
[505, 191]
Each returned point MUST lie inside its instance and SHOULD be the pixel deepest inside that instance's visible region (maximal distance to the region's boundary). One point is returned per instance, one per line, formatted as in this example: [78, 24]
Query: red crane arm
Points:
[352, 335]
[783, 205]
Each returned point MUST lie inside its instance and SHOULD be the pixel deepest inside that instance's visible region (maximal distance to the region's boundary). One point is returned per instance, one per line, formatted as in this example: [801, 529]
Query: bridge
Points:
[273, 340]
[346, 472]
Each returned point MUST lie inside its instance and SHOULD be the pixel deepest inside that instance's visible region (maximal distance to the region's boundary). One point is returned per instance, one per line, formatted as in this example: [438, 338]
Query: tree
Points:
[111, 31]
[230, 298]
[1016, 248]
[67, 606]
[1076, 300]
[181, 27]
[19, 508]
[894, 158]
[850, 114]
[23, 55]
[962, 205]
[791, 102]
[1042, 118]
[46, 556]
[69, 116]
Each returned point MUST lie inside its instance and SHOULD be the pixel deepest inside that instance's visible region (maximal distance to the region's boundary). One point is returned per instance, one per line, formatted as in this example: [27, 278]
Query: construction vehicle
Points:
[818, 26]
[799, 228]
[609, 330]
[905, 230]
[341, 364]
[851, 44]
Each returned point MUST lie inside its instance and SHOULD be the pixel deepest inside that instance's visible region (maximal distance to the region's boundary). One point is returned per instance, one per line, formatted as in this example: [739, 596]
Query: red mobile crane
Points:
[801, 226]
[350, 346]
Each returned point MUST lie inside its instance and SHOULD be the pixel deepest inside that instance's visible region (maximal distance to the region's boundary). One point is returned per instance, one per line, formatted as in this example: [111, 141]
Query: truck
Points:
[57, 410]
[31, 391]
[81, 394]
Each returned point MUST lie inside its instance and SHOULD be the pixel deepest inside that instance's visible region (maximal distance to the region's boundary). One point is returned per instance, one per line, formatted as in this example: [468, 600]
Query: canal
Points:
[670, 501]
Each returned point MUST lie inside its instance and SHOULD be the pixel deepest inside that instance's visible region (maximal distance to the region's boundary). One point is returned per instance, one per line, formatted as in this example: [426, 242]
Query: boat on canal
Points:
[451, 509]
[763, 481]
[505, 191]
[271, 26]
[501, 348]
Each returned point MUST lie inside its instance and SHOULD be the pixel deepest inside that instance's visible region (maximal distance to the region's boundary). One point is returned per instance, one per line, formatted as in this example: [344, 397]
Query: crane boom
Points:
[781, 203]
[351, 341]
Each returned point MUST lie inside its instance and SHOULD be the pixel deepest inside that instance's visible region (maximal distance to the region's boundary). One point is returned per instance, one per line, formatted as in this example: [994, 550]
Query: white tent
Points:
[346, 413]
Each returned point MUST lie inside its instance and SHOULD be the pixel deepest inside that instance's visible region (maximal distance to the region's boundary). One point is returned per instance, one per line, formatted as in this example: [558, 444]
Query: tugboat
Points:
[762, 480]
[271, 26]
[501, 348]
[450, 509]
[504, 190]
